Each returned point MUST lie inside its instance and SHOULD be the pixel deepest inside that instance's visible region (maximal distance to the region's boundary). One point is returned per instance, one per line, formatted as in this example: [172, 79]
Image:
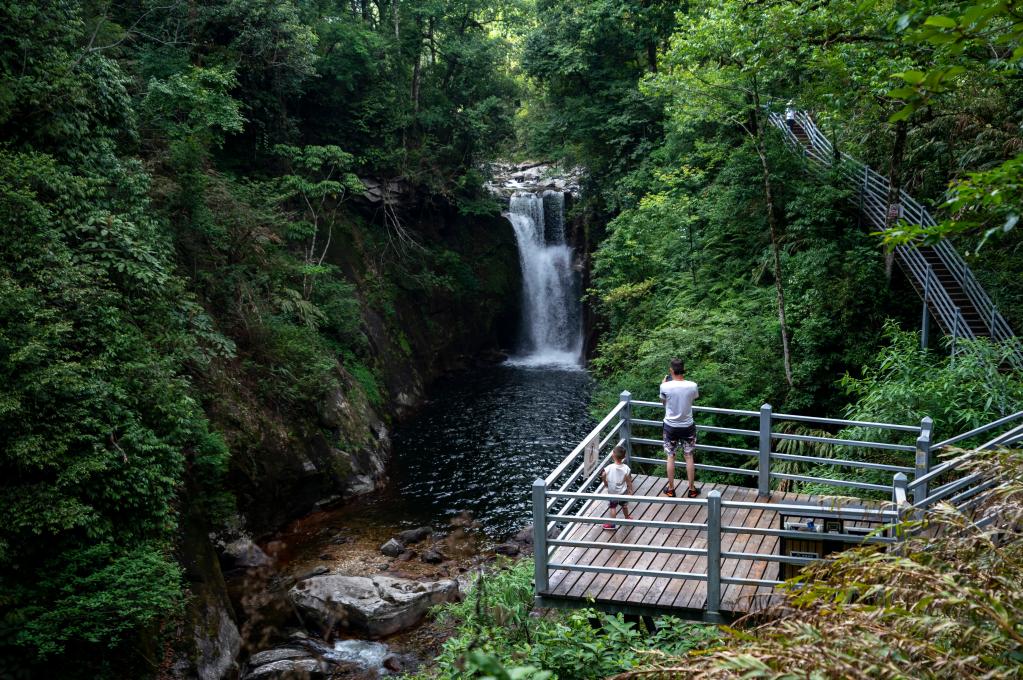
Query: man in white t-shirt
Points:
[678, 395]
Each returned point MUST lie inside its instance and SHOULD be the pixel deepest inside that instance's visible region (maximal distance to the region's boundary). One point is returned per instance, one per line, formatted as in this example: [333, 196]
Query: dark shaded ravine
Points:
[477, 445]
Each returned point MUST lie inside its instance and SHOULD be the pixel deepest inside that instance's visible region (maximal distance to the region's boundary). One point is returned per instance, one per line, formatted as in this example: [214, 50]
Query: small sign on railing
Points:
[590, 456]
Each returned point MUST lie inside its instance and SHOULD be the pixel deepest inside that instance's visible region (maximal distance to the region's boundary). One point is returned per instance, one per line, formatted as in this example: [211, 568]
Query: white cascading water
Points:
[551, 306]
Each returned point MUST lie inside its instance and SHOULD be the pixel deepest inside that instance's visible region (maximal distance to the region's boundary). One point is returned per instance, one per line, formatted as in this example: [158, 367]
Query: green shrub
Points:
[498, 636]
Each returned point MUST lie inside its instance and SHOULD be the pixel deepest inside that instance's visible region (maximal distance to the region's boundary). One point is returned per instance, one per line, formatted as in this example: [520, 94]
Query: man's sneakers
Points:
[609, 527]
[669, 492]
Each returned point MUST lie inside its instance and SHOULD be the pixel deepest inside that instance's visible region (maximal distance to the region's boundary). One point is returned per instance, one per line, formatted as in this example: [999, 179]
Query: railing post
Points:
[625, 415]
[540, 536]
[925, 323]
[764, 468]
[923, 459]
[899, 498]
[955, 334]
[713, 552]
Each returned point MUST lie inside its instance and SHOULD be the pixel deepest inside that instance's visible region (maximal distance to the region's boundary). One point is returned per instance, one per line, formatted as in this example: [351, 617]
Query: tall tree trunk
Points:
[772, 224]
[895, 180]
[651, 56]
[416, 74]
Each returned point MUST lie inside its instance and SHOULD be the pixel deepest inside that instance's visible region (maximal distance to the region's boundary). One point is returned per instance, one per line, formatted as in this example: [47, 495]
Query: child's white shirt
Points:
[615, 476]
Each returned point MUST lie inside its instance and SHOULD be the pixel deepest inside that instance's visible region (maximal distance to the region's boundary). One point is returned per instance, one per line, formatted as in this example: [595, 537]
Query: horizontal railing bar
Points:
[841, 421]
[841, 442]
[762, 557]
[939, 470]
[1009, 437]
[767, 583]
[948, 489]
[625, 571]
[614, 431]
[589, 519]
[674, 550]
[831, 482]
[841, 461]
[977, 430]
[797, 509]
[667, 500]
[700, 409]
[958, 499]
[700, 428]
[699, 447]
[595, 432]
[585, 485]
[806, 535]
[700, 466]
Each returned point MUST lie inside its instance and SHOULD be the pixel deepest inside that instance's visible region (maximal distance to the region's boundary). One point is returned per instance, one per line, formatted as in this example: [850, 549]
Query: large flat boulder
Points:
[373, 605]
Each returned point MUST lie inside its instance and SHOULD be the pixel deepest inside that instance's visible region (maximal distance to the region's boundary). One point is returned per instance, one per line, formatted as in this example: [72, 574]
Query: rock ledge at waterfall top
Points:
[532, 176]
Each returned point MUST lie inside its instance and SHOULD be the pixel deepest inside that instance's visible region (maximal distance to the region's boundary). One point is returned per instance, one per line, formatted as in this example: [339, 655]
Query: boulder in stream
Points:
[392, 548]
[412, 536]
[375, 605]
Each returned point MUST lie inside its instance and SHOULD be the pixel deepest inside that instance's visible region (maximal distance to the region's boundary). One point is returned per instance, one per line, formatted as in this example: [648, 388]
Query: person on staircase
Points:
[678, 395]
[790, 115]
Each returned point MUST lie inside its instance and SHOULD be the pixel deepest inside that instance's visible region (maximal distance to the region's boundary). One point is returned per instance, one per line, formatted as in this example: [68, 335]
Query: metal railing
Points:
[950, 485]
[873, 194]
[563, 499]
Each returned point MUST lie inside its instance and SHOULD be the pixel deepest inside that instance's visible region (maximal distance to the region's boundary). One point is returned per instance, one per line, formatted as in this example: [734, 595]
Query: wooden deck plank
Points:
[693, 588]
[648, 589]
[635, 560]
[693, 538]
[590, 585]
[562, 581]
[577, 581]
[574, 582]
[762, 569]
[669, 537]
[729, 542]
[739, 568]
[667, 594]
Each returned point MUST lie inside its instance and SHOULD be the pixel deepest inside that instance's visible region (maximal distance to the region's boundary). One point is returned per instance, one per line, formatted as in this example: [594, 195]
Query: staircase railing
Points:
[872, 193]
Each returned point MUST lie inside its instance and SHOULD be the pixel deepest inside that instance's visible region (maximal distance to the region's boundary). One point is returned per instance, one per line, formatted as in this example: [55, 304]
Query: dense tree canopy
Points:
[175, 176]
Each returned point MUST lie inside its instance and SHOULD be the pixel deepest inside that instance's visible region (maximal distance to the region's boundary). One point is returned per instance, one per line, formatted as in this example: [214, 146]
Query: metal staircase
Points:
[950, 291]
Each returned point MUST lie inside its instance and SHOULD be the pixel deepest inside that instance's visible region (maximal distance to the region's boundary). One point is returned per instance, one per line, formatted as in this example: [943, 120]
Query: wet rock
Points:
[433, 556]
[278, 654]
[412, 536]
[524, 536]
[507, 549]
[289, 669]
[315, 571]
[375, 605]
[393, 663]
[242, 553]
[392, 548]
[407, 556]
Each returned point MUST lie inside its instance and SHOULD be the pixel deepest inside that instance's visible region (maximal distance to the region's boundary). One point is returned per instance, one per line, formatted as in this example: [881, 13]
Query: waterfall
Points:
[551, 306]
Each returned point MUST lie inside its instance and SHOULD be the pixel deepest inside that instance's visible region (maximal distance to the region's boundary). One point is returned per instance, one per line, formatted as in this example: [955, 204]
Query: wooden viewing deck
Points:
[649, 594]
[720, 556]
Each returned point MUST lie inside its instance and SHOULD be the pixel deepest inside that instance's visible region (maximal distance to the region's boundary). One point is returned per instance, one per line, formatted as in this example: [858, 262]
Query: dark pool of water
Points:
[479, 443]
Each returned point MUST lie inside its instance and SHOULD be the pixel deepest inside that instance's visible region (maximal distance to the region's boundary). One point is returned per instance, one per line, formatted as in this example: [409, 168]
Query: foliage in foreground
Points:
[944, 607]
[496, 637]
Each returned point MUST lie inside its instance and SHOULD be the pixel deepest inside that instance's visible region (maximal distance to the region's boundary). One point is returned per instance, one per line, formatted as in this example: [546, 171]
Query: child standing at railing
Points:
[617, 479]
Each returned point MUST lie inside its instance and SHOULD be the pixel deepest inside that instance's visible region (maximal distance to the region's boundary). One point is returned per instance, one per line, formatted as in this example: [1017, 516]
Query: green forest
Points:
[243, 239]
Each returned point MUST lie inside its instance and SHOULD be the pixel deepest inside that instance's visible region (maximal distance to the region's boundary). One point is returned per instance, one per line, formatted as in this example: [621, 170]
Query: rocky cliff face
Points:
[450, 299]
[419, 322]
